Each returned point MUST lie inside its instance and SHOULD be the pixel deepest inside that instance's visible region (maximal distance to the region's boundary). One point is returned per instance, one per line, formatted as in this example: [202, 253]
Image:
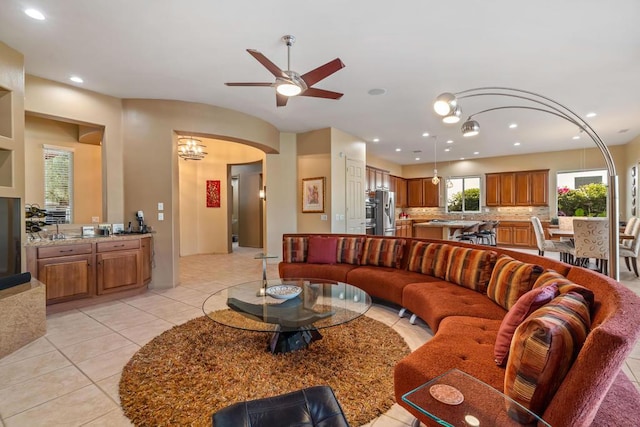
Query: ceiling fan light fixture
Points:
[288, 89]
[445, 103]
[453, 116]
[470, 128]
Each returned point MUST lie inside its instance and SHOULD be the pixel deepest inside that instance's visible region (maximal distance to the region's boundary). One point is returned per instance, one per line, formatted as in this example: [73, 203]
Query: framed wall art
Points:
[313, 195]
[213, 193]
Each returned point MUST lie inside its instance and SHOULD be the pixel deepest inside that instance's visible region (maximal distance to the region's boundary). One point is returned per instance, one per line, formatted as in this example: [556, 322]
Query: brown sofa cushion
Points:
[431, 259]
[542, 351]
[383, 252]
[294, 249]
[526, 304]
[470, 268]
[435, 301]
[564, 285]
[322, 250]
[349, 250]
[386, 283]
[510, 280]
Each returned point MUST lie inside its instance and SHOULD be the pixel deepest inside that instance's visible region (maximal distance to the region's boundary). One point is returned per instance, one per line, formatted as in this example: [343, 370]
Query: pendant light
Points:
[435, 180]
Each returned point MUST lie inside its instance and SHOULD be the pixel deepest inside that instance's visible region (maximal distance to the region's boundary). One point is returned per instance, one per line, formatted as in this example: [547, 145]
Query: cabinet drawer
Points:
[64, 250]
[119, 245]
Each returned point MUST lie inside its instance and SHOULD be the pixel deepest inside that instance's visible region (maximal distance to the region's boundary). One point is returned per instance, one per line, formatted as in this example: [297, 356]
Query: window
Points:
[58, 184]
[582, 193]
[463, 194]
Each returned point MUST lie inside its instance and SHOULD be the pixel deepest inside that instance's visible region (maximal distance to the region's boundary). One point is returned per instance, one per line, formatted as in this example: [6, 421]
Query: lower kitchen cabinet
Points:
[515, 233]
[404, 228]
[119, 270]
[67, 277]
[147, 253]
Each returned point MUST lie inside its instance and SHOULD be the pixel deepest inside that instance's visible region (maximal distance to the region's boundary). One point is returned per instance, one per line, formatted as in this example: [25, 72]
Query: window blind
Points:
[58, 184]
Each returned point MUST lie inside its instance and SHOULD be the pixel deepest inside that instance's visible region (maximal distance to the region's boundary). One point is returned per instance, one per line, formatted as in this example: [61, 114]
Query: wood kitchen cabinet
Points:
[91, 268]
[67, 270]
[523, 188]
[422, 193]
[404, 228]
[377, 179]
[515, 233]
[399, 187]
[119, 266]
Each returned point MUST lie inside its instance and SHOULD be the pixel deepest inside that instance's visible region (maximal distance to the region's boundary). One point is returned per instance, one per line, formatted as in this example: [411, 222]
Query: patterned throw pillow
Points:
[383, 252]
[565, 285]
[470, 268]
[294, 249]
[526, 304]
[542, 351]
[349, 250]
[510, 280]
[429, 258]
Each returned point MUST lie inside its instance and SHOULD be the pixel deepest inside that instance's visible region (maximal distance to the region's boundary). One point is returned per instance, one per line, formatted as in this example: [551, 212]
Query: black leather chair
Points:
[310, 407]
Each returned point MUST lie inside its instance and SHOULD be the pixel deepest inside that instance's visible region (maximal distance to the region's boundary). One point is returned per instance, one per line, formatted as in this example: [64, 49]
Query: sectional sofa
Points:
[552, 336]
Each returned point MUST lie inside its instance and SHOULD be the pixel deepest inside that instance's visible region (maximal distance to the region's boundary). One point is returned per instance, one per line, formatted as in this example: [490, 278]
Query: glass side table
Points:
[264, 257]
[481, 405]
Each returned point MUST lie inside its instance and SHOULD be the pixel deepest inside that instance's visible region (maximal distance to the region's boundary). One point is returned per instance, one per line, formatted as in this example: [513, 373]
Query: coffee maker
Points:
[142, 227]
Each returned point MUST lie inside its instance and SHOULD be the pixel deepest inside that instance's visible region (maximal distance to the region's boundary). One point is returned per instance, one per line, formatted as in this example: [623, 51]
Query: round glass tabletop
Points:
[281, 305]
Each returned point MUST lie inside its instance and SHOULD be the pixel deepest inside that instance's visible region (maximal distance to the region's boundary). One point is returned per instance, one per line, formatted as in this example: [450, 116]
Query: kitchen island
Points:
[440, 229]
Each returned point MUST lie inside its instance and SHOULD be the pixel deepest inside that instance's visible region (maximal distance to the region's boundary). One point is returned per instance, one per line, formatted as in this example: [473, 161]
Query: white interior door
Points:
[355, 196]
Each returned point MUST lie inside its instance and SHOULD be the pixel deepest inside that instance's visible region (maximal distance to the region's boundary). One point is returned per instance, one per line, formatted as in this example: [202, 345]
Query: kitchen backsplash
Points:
[504, 213]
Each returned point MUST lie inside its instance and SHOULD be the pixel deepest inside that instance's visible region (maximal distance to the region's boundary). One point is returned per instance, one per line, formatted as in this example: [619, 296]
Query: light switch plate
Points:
[160, 216]
[160, 206]
[323, 217]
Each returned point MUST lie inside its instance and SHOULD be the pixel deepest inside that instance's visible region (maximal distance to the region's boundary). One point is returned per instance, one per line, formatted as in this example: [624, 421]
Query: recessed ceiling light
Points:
[576, 137]
[592, 114]
[377, 91]
[35, 14]
[516, 143]
[376, 139]
[623, 131]
[425, 134]
[450, 141]
[417, 158]
[461, 158]
[398, 149]
[513, 125]
[476, 153]
[76, 79]
[447, 149]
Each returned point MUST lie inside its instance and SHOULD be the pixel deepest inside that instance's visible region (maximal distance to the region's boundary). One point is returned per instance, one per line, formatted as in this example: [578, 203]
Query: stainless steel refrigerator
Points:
[385, 216]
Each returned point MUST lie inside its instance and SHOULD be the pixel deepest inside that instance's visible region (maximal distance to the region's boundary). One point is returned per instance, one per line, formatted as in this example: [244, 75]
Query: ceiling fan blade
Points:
[321, 93]
[281, 100]
[273, 68]
[323, 71]
[250, 84]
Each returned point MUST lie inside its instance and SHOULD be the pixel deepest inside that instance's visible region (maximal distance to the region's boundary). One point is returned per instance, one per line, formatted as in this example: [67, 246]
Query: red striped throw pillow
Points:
[294, 249]
[510, 280]
[383, 252]
[470, 268]
[429, 258]
[349, 250]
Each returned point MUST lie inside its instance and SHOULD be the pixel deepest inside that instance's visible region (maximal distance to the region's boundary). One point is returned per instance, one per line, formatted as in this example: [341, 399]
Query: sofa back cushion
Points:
[470, 268]
[431, 259]
[349, 250]
[542, 351]
[383, 252]
[510, 280]
[294, 249]
[526, 304]
[322, 250]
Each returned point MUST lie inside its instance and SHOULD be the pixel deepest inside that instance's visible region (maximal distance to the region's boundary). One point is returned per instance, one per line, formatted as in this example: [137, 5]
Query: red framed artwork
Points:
[213, 193]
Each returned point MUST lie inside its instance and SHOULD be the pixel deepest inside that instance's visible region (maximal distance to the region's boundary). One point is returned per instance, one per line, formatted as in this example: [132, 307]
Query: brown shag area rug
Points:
[189, 372]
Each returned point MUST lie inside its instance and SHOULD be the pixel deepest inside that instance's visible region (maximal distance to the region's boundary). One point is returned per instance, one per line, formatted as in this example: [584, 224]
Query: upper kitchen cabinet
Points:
[377, 179]
[422, 193]
[524, 188]
[399, 186]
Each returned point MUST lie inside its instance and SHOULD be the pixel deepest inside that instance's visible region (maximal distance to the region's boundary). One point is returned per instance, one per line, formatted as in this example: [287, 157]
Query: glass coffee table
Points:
[455, 398]
[291, 310]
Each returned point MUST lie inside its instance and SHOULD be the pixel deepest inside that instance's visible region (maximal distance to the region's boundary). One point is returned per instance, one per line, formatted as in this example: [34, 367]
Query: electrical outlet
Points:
[95, 219]
[160, 216]
[323, 217]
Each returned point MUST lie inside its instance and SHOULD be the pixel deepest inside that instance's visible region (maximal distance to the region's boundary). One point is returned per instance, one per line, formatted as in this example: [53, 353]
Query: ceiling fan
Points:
[289, 83]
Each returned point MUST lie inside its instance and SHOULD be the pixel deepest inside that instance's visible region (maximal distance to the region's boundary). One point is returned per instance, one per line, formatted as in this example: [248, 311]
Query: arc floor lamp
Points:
[447, 106]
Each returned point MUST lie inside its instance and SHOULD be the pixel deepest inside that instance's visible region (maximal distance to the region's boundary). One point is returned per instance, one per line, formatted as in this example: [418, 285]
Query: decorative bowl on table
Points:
[284, 291]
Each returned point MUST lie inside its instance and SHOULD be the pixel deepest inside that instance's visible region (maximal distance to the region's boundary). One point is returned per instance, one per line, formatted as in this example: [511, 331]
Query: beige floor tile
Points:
[26, 369]
[398, 413]
[41, 389]
[142, 334]
[179, 293]
[76, 408]
[183, 316]
[383, 314]
[111, 386]
[94, 347]
[75, 330]
[35, 348]
[113, 418]
[386, 421]
[634, 367]
[107, 364]
[146, 300]
[168, 308]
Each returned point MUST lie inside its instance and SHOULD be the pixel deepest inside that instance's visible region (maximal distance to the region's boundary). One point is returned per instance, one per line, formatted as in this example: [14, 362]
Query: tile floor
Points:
[70, 376]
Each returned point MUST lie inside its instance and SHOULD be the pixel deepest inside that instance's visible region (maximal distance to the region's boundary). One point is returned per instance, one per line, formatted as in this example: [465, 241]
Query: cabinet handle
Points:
[118, 246]
[66, 250]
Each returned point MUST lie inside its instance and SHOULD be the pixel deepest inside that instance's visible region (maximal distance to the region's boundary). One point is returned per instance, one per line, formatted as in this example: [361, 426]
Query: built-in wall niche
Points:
[6, 168]
[6, 128]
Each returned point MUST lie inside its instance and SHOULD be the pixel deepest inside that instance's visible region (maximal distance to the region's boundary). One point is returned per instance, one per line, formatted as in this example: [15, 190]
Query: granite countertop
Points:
[447, 223]
[74, 240]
